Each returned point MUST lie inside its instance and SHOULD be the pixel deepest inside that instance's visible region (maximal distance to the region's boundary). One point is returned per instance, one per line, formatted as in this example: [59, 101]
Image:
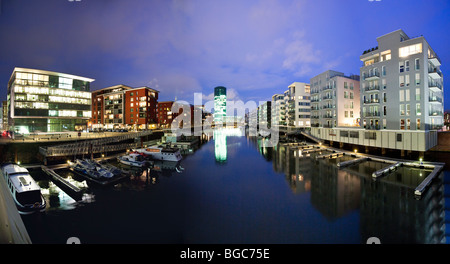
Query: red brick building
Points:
[166, 116]
[122, 106]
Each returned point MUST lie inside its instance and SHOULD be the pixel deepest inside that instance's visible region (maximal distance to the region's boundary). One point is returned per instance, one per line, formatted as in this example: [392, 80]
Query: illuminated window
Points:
[65, 83]
[385, 55]
[410, 50]
[401, 80]
[401, 66]
[369, 62]
[417, 78]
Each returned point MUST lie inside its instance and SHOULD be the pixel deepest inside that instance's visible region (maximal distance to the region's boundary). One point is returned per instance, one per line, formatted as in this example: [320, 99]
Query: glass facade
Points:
[220, 104]
[42, 101]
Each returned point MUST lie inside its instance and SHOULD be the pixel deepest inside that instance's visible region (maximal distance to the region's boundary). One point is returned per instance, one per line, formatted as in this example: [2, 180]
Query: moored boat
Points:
[133, 159]
[161, 153]
[25, 191]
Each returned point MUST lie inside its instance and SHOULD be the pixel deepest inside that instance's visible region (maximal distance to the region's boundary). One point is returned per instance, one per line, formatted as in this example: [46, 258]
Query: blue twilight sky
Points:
[179, 47]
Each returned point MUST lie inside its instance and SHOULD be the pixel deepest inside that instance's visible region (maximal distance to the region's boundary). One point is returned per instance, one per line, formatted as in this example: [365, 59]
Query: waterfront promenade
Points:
[64, 136]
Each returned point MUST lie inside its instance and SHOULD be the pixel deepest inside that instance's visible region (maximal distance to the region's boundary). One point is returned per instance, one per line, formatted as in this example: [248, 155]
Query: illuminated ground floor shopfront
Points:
[30, 125]
[124, 126]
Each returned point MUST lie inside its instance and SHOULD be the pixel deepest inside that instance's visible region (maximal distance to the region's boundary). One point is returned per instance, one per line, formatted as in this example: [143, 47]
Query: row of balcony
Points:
[316, 91]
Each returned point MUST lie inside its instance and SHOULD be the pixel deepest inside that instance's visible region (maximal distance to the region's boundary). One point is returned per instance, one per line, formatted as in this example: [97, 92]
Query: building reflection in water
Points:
[220, 141]
[388, 208]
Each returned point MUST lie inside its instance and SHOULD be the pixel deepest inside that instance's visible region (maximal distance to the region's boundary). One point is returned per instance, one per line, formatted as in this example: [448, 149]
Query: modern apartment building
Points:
[265, 115]
[401, 96]
[122, 106]
[402, 85]
[335, 100]
[46, 101]
[278, 110]
[292, 109]
[166, 116]
[297, 101]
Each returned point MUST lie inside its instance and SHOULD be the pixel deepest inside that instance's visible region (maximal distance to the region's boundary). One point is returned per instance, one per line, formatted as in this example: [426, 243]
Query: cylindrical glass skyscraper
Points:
[220, 104]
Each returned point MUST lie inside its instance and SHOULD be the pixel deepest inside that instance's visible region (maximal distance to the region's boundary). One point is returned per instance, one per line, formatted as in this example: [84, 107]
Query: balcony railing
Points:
[435, 113]
[326, 88]
[373, 127]
[327, 116]
[327, 97]
[327, 107]
[372, 101]
[435, 85]
[434, 73]
[371, 76]
[371, 114]
[372, 88]
[434, 99]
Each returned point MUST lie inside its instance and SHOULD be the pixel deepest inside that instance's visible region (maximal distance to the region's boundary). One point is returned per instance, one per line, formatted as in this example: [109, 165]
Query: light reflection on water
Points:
[387, 207]
[259, 195]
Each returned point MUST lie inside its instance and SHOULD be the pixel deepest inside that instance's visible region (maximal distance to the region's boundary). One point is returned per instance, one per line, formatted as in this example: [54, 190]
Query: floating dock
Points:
[386, 170]
[60, 179]
[395, 163]
[351, 162]
[423, 185]
[331, 156]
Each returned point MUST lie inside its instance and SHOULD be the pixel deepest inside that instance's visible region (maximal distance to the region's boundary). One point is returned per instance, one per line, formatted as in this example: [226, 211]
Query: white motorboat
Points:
[25, 191]
[132, 159]
[161, 153]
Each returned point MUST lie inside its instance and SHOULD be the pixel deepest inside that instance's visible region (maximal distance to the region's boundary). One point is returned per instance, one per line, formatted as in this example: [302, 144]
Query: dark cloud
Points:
[256, 48]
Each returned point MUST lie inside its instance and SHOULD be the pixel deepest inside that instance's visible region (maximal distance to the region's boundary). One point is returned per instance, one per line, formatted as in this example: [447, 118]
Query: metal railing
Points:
[96, 146]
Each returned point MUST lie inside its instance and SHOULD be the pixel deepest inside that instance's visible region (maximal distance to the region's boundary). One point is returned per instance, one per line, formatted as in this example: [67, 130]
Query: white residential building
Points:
[335, 100]
[402, 85]
[401, 88]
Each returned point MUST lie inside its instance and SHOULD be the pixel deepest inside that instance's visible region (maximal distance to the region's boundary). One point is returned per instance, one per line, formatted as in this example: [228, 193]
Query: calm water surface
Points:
[233, 189]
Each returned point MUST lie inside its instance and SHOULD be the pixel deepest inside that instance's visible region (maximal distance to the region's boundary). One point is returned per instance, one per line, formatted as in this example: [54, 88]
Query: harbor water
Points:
[236, 189]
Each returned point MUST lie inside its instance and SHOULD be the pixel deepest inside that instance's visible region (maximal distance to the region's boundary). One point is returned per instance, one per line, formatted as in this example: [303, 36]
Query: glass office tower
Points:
[45, 101]
[220, 104]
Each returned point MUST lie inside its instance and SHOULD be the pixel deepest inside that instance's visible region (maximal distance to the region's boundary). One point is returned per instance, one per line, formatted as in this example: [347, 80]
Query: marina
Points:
[313, 183]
